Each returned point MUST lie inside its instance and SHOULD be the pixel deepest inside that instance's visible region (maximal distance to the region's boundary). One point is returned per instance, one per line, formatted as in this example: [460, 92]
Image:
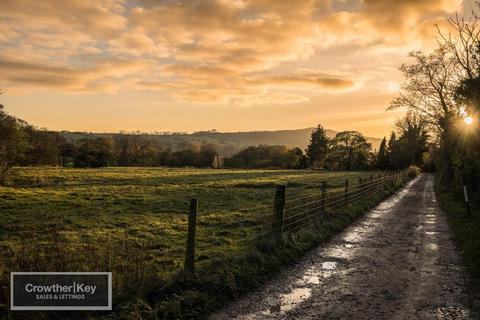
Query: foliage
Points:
[349, 151]
[317, 150]
[264, 156]
[44, 147]
[13, 143]
[411, 144]
[413, 171]
[382, 156]
[94, 153]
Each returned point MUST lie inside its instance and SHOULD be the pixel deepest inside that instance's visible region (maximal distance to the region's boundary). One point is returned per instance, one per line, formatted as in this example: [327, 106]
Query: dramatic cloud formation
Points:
[225, 52]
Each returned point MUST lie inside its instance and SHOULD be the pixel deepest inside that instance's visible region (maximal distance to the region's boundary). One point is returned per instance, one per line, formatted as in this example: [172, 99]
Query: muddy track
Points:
[398, 262]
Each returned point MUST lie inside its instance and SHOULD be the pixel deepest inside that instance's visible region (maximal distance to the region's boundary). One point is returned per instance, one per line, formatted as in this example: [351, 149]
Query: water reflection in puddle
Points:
[329, 265]
[291, 300]
[287, 302]
[311, 276]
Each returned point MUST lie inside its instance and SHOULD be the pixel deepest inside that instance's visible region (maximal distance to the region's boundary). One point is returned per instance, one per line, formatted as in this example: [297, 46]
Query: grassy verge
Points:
[466, 230]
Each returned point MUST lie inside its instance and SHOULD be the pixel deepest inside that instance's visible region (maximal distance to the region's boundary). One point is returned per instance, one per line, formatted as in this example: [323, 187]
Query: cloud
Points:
[35, 75]
[210, 50]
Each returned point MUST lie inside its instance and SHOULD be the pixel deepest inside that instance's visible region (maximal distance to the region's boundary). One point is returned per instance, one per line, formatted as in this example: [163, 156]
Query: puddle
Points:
[329, 265]
[287, 302]
[432, 246]
[431, 232]
[291, 300]
[310, 277]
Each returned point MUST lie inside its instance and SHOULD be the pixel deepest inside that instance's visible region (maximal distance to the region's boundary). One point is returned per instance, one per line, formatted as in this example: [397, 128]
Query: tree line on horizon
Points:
[24, 145]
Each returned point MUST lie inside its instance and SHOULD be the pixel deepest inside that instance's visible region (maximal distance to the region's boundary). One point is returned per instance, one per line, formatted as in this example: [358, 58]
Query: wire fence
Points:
[288, 213]
[207, 233]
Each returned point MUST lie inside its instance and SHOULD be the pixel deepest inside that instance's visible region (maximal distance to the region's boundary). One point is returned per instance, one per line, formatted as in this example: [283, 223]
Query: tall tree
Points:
[317, 150]
[349, 151]
[391, 144]
[412, 143]
[94, 153]
[382, 155]
[13, 142]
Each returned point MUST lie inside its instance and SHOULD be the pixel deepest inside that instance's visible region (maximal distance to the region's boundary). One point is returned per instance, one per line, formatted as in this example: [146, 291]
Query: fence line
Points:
[289, 215]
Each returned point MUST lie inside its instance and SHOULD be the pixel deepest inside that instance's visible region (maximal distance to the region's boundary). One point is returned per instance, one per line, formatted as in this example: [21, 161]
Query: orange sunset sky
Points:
[109, 65]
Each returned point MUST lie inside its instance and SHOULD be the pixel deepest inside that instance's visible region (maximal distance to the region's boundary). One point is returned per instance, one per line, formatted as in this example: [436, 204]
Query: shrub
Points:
[413, 171]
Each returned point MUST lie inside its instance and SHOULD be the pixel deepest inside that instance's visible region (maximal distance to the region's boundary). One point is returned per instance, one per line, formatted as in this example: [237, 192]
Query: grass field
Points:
[133, 220]
[148, 202]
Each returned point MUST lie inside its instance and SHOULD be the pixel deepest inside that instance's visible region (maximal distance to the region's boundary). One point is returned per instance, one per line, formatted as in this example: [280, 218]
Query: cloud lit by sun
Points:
[312, 61]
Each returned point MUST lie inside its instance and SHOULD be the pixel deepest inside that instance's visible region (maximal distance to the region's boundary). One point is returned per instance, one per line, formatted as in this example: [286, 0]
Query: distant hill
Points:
[227, 143]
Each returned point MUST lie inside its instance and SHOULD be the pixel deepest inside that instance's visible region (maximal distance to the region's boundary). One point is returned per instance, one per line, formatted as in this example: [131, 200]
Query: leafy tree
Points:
[43, 147]
[13, 143]
[317, 150]
[349, 151]
[391, 143]
[134, 149]
[94, 153]
[208, 154]
[264, 156]
[68, 153]
[413, 138]
[382, 155]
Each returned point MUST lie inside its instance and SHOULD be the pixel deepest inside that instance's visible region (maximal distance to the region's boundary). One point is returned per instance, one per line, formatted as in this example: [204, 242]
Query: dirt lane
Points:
[398, 262]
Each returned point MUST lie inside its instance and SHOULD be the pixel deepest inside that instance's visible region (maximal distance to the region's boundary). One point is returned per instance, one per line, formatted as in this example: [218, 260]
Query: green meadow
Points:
[146, 204]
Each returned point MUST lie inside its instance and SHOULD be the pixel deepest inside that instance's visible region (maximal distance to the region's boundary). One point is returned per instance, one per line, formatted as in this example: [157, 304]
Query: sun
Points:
[468, 120]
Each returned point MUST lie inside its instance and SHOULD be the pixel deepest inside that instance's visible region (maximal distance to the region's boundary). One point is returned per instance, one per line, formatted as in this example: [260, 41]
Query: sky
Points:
[230, 65]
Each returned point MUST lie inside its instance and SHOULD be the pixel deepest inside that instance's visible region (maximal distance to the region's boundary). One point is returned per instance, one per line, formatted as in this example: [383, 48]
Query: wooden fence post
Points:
[278, 214]
[324, 193]
[359, 180]
[346, 191]
[192, 224]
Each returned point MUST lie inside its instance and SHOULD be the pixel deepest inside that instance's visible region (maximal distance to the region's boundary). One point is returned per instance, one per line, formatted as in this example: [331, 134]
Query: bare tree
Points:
[429, 88]
[464, 42]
